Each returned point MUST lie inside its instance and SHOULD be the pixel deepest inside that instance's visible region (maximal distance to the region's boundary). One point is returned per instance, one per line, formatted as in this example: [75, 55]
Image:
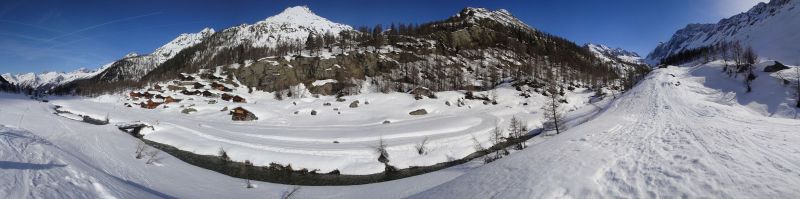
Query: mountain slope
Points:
[621, 60]
[133, 67]
[770, 28]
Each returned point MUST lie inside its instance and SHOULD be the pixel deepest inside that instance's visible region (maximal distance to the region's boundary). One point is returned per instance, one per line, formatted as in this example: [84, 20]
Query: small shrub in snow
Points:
[291, 193]
[140, 149]
[153, 156]
[497, 138]
[313, 112]
[421, 148]
[223, 155]
[477, 145]
[244, 171]
[517, 131]
[383, 155]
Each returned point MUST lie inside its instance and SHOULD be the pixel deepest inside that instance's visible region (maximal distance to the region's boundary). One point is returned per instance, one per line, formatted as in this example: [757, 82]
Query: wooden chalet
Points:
[149, 104]
[198, 85]
[241, 114]
[194, 92]
[175, 88]
[207, 93]
[186, 77]
[220, 87]
[148, 95]
[169, 99]
[239, 99]
[227, 97]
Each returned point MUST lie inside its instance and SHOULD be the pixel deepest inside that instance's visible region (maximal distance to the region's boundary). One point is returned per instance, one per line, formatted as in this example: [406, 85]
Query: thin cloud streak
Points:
[104, 24]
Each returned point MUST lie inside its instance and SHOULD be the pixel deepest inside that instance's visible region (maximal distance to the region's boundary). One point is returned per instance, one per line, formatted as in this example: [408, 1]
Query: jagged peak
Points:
[296, 14]
[131, 54]
[500, 15]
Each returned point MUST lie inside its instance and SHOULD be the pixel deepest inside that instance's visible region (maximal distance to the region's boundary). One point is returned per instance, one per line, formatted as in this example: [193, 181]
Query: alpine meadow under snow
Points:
[477, 105]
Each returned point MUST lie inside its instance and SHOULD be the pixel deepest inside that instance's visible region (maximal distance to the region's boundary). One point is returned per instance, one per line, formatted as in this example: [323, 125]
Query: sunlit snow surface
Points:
[679, 133]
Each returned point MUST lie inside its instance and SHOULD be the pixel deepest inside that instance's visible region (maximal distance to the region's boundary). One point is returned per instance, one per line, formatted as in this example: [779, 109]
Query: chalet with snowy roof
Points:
[238, 99]
[227, 97]
[194, 92]
[175, 88]
[148, 95]
[135, 94]
[198, 85]
[185, 77]
[210, 76]
[170, 99]
[207, 93]
[220, 87]
[241, 114]
[149, 104]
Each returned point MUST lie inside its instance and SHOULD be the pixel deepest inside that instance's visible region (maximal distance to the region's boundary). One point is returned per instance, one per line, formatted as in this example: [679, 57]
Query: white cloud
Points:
[727, 8]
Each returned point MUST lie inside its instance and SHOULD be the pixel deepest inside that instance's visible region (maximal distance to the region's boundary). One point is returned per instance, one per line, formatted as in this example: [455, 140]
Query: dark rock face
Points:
[775, 67]
[420, 92]
[279, 73]
[188, 110]
[418, 112]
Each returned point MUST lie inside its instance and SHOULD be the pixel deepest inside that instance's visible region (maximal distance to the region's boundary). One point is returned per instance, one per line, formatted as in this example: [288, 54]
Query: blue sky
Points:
[37, 36]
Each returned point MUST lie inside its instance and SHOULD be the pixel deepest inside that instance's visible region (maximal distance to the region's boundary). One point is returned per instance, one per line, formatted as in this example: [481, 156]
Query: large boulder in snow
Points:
[324, 89]
[418, 112]
[778, 66]
[354, 104]
[188, 110]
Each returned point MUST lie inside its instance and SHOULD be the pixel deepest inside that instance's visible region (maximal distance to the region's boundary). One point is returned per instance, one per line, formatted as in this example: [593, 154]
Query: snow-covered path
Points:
[668, 137]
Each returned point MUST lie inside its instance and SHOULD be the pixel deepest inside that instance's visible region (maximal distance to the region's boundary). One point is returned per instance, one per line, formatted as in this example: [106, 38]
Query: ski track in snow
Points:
[661, 140]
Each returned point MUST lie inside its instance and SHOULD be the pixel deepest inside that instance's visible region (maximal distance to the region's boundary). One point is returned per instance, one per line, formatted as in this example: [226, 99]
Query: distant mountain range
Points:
[771, 29]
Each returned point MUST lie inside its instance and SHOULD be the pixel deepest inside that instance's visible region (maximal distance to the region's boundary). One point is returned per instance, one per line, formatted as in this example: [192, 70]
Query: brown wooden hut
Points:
[150, 104]
[239, 99]
[241, 114]
[227, 97]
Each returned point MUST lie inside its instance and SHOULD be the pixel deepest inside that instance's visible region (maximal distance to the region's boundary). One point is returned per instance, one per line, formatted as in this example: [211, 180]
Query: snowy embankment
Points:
[671, 136]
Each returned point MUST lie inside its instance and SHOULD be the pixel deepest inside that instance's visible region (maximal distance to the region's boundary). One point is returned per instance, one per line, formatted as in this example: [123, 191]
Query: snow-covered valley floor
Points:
[661, 139]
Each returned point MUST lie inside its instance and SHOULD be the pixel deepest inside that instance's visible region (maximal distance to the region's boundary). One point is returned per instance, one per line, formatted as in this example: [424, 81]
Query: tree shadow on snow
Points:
[28, 166]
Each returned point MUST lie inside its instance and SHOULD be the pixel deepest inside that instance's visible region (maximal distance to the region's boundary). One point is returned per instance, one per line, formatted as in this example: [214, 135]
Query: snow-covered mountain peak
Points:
[297, 15]
[617, 52]
[181, 42]
[131, 54]
[294, 23]
[502, 16]
[769, 28]
[621, 59]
